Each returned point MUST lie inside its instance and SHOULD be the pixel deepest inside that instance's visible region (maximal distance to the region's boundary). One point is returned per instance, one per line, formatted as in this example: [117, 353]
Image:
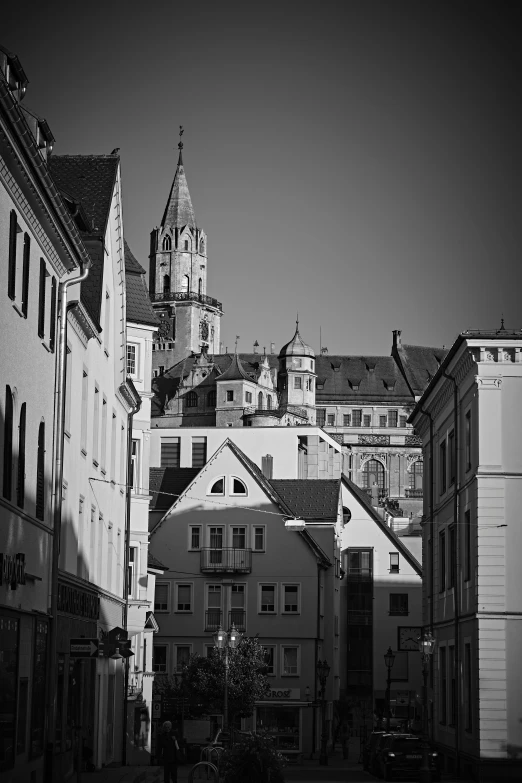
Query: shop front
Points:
[288, 721]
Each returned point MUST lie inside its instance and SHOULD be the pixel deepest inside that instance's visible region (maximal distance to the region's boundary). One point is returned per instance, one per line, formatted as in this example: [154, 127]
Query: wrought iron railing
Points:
[215, 561]
[414, 493]
[187, 296]
[213, 619]
[359, 573]
[238, 618]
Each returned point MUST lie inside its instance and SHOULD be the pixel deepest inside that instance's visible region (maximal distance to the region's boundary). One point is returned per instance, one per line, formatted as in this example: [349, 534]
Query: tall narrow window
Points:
[185, 283]
[298, 382]
[41, 300]
[11, 280]
[166, 284]
[20, 484]
[186, 244]
[416, 474]
[184, 598]
[468, 439]
[373, 472]
[452, 555]
[85, 395]
[452, 686]
[267, 466]
[68, 386]
[8, 444]
[394, 562]
[167, 243]
[199, 452]
[211, 399]
[113, 447]
[104, 434]
[356, 418]
[442, 561]
[52, 321]
[107, 323]
[170, 451]
[451, 457]
[267, 598]
[443, 685]
[467, 546]
[200, 286]
[131, 358]
[96, 425]
[259, 539]
[40, 473]
[442, 467]
[392, 418]
[135, 465]
[468, 701]
[260, 401]
[320, 417]
[25, 274]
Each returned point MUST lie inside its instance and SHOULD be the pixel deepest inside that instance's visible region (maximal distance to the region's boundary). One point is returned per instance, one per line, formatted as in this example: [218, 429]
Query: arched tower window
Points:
[166, 284]
[373, 471]
[20, 484]
[8, 443]
[269, 402]
[167, 243]
[185, 283]
[260, 400]
[202, 246]
[40, 473]
[200, 286]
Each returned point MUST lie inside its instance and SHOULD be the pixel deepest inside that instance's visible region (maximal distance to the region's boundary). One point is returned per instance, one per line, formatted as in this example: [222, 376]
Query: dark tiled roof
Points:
[234, 371]
[420, 364]
[296, 347]
[138, 304]
[91, 288]
[309, 498]
[170, 481]
[358, 378]
[153, 562]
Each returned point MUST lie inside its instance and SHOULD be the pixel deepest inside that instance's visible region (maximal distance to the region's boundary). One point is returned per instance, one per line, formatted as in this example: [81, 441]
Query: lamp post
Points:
[224, 641]
[323, 670]
[389, 660]
[426, 648]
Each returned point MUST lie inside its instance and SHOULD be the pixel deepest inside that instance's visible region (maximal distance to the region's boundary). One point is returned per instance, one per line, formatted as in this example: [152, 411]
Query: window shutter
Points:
[41, 301]
[11, 280]
[40, 473]
[20, 486]
[52, 326]
[25, 274]
[8, 444]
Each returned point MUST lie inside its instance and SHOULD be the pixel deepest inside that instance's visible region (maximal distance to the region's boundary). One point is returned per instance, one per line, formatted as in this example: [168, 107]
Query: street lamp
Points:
[224, 641]
[389, 660]
[426, 648]
[323, 670]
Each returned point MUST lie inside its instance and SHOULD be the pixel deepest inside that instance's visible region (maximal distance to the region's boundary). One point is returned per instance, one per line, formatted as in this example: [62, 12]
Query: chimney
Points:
[272, 348]
[397, 338]
[221, 346]
[256, 346]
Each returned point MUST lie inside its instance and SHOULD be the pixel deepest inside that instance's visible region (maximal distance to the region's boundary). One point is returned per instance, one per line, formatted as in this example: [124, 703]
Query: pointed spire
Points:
[179, 211]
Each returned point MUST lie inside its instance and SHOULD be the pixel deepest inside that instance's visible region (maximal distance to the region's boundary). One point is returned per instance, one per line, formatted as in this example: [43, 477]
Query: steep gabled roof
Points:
[138, 305]
[234, 371]
[365, 501]
[360, 378]
[310, 498]
[419, 364]
[179, 211]
[167, 484]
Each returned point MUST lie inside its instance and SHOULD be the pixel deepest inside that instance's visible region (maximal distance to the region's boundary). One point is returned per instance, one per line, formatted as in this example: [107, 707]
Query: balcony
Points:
[238, 618]
[213, 619]
[226, 561]
[359, 616]
[414, 493]
[359, 574]
[187, 296]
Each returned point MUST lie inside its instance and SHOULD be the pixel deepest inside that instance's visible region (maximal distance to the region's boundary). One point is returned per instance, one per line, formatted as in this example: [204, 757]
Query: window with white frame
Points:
[258, 544]
[291, 599]
[239, 537]
[132, 359]
[132, 572]
[170, 452]
[290, 662]
[270, 660]
[298, 382]
[159, 658]
[394, 562]
[183, 597]
[218, 486]
[238, 487]
[182, 656]
[214, 613]
[194, 536]
[248, 397]
[161, 597]
[267, 597]
[135, 465]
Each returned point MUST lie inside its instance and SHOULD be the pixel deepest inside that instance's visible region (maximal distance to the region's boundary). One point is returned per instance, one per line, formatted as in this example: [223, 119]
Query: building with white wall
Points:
[470, 424]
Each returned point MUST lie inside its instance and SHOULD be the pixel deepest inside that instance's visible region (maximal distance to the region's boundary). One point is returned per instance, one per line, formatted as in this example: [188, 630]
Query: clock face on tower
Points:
[408, 637]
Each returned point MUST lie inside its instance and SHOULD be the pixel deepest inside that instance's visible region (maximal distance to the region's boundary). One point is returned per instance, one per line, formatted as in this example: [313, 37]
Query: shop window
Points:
[38, 714]
[8, 675]
[281, 724]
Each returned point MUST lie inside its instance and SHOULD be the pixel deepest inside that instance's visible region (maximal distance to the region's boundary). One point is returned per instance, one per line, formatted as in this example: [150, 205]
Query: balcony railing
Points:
[414, 493]
[226, 560]
[213, 619]
[359, 616]
[359, 573]
[238, 618]
[187, 296]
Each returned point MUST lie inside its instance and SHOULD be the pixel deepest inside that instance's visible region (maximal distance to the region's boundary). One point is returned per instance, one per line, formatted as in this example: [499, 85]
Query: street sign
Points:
[156, 710]
[86, 648]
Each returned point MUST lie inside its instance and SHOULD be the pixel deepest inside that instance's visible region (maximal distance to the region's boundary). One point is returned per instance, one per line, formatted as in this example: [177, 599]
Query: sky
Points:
[356, 162]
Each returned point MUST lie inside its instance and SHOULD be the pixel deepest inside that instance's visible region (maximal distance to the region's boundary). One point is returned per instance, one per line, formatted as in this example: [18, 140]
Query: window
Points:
[135, 465]
[367, 420]
[443, 685]
[268, 402]
[230, 395]
[211, 399]
[85, 394]
[260, 401]
[132, 569]
[191, 399]
[291, 598]
[96, 425]
[238, 487]
[25, 274]
[200, 286]
[442, 561]
[467, 546]
[416, 474]
[170, 452]
[239, 537]
[8, 444]
[166, 284]
[309, 384]
[161, 597]
[183, 598]
[321, 417]
[330, 419]
[40, 473]
[452, 554]
[113, 447]
[41, 300]
[392, 418]
[373, 472]
[267, 466]
[185, 281]
[268, 598]
[451, 457]
[452, 686]
[199, 452]
[468, 439]
[468, 701]
[298, 382]
[298, 363]
[182, 656]
[360, 563]
[394, 562]
[382, 421]
[194, 537]
[218, 487]
[20, 484]
[167, 243]
[399, 603]
[269, 656]
[248, 397]
[159, 658]
[107, 323]
[13, 231]
[290, 657]
[403, 421]
[202, 246]
[104, 434]
[356, 418]
[214, 618]
[132, 351]
[346, 419]
[442, 467]
[186, 244]
[259, 539]
[237, 614]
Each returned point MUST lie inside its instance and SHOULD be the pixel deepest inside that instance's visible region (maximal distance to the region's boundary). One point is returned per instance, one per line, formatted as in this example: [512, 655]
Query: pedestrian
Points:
[168, 750]
[144, 725]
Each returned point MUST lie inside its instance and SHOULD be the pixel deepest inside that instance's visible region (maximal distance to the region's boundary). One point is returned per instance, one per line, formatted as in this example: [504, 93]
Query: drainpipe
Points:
[59, 413]
[456, 564]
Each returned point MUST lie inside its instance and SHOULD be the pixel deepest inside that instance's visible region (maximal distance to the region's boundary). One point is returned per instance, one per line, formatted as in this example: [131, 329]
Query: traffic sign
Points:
[86, 648]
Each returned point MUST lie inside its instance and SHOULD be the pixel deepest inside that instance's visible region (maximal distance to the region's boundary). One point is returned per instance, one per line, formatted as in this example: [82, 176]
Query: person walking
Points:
[168, 750]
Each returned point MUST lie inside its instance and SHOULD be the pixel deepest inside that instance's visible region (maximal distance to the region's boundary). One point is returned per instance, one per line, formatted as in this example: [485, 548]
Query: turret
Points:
[296, 377]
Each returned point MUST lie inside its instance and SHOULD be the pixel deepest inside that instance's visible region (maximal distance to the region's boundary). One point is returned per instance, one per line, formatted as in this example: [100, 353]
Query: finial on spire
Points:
[180, 145]
[502, 322]
[237, 340]
[297, 323]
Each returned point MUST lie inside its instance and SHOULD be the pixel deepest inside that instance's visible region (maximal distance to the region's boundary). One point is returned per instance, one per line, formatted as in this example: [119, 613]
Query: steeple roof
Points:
[235, 371]
[179, 211]
[296, 346]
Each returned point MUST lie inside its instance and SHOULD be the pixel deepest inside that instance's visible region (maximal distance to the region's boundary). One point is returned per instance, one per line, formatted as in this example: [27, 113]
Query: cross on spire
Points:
[180, 145]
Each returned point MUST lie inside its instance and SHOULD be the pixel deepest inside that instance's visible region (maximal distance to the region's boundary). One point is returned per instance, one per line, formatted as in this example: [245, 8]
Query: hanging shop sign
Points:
[12, 570]
[72, 600]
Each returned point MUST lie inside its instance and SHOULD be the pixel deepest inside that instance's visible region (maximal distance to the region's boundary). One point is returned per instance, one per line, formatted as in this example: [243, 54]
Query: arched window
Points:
[238, 487]
[416, 474]
[8, 444]
[166, 284]
[192, 400]
[211, 399]
[202, 246]
[167, 243]
[186, 244]
[269, 402]
[185, 283]
[200, 286]
[20, 484]
[40, 473]
[218, 487]
[373, 471]
[260, 400]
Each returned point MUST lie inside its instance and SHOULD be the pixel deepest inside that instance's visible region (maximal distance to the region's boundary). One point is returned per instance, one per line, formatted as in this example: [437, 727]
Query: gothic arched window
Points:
[191, 400]
[8, 443]
[260, 400]
[269, 402]
[166, 284]
[167, 243]
[185, 284]
[200, 286]
[373, 471]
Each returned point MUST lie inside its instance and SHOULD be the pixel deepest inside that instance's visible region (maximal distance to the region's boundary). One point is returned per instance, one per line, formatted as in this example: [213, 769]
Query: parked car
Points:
[402, 756]
[373, 765]
[381, 750]
[369, 747]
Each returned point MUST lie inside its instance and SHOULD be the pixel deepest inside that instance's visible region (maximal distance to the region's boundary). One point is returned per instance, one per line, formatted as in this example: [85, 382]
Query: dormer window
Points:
[167, 243]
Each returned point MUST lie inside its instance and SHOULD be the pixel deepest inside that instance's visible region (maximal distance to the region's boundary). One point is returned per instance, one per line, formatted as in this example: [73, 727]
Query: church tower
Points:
[189, 319]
